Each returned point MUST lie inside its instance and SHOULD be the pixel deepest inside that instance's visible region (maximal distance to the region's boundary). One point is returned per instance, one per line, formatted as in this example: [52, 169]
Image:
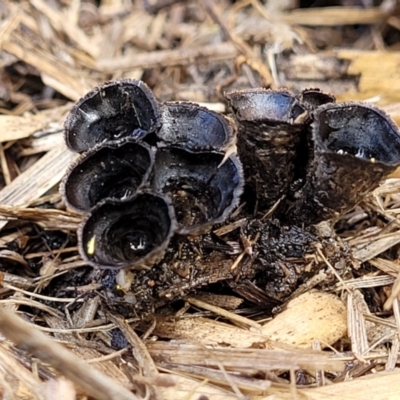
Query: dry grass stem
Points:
[92, 381]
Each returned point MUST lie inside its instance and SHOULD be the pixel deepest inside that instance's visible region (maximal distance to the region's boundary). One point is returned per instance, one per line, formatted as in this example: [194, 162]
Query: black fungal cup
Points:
[118, 109]
[318, 157]
[132, 233]
[355, 145]
[203, 186]
[310, 99]
[193, 167]
[112, 170]
[196, 128]
[270, 129]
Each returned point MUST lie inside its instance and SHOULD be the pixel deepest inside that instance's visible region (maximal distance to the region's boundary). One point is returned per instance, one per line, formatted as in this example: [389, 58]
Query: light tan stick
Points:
[27, 337]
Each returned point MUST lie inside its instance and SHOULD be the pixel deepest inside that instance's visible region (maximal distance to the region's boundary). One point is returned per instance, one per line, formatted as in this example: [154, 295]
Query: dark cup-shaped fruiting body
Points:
[112, 170]
[132, 233]
[270, 129]
[310, 99]
[196, 128]
[203, 188]
[110, 112]
[355, 146]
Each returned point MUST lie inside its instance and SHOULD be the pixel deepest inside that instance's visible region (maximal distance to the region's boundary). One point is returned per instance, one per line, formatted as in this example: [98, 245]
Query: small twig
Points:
[139, 351]
[39, 296]
[4, 165]
[231, 382]
[168, 58]
[107, 357]
[155, 6]
[319, 251]
[224, 313]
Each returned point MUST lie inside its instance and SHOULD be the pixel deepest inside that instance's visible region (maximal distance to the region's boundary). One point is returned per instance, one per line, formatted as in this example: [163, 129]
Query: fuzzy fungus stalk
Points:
[355, 146]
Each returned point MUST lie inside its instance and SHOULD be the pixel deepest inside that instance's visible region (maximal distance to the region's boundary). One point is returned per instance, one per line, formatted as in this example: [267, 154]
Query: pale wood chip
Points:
[191, 389]
[14, 127]
[206, 331]
[311, 316]
[60, 389]
[379, 386]
[37, 179]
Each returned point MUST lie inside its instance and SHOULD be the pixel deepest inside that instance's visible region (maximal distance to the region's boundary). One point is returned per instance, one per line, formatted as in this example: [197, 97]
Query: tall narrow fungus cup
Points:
[270, 129]
[310, 99]
[119, 109]
[355, 146]
[132, 233]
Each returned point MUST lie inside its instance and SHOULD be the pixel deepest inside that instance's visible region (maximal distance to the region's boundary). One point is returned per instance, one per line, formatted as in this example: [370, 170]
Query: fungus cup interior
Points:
[202, 190]
[358, 130]
[110, 112]
[109, 172]
[265, 105]
[313, 98]
[128, 233]
[194, 128]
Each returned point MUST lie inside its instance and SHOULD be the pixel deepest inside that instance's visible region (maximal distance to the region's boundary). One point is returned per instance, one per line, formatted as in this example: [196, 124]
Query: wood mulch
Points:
[336, 336]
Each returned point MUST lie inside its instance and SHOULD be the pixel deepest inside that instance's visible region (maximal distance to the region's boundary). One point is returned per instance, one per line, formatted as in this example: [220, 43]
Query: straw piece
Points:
[254, 359]
[182, 56]
[376, 246]
[356, 323]
[92, 381]
[224, 313]
[333, 16]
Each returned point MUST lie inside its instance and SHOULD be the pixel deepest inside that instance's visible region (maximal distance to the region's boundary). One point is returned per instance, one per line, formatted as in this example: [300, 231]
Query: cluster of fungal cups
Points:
[308, 157]
[148, 170]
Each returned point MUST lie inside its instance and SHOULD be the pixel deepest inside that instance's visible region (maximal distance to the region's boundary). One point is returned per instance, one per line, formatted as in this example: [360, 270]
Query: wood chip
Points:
[13, 127]
[38, 179]
[207, 331]
[312, 316]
